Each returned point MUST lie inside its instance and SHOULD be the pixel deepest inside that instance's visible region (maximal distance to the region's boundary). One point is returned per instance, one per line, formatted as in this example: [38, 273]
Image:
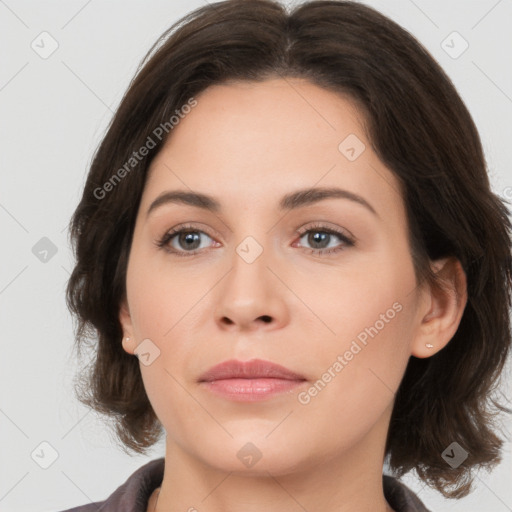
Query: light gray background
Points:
[53, 113]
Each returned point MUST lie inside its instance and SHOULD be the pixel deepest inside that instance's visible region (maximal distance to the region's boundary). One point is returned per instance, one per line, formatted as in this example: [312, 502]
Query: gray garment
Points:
[133, 495]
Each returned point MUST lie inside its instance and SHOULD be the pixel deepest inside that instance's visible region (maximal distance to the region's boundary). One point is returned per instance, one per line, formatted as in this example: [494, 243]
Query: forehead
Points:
[285, 118]
[254, 141]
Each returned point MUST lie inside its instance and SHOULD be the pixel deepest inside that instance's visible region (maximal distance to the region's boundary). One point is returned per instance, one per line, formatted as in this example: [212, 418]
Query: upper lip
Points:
[255, 368]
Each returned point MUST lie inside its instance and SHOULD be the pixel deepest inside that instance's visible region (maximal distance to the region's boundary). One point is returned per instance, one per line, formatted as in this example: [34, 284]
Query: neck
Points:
[153, 504]
[347, 483]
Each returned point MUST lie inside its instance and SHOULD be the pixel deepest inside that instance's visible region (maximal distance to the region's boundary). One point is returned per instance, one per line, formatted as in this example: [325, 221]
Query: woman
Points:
[289, 250]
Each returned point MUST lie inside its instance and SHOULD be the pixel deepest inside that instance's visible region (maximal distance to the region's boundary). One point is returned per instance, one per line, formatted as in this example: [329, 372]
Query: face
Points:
[322, 285]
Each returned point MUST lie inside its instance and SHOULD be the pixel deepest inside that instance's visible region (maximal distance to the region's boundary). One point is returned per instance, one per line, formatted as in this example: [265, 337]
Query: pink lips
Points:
[250, 381]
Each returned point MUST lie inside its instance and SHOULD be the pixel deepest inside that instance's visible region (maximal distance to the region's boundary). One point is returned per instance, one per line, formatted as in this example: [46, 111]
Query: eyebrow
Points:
[289, 202]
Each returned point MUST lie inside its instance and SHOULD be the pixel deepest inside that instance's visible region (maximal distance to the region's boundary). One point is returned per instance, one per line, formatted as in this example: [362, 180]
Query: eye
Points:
[321, 238]
[183, 241]
[186, 240]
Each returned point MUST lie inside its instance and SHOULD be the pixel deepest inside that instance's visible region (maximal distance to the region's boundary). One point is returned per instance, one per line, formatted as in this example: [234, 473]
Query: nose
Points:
[251, 297]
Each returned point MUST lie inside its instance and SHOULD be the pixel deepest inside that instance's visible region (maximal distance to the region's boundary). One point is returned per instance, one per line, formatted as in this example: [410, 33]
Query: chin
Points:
[254, 455]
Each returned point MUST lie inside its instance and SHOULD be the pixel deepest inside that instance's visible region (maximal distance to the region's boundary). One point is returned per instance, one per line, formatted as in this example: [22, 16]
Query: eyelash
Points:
[163, 242]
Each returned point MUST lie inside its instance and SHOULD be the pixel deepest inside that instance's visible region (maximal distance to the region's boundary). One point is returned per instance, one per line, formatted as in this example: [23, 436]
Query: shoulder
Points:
[133, 494]
[400, 497]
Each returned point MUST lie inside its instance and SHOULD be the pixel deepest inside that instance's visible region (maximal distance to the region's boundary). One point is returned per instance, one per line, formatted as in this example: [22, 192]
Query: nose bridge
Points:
[253, 252]
[249, 277]
[250, 291]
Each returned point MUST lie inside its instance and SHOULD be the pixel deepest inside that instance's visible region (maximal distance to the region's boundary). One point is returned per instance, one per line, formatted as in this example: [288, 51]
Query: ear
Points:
[125, 319]
[441, 309]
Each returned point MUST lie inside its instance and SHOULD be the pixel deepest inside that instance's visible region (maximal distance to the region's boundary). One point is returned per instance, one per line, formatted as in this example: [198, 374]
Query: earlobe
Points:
[446, 302]
[128, 341]
[129, 345]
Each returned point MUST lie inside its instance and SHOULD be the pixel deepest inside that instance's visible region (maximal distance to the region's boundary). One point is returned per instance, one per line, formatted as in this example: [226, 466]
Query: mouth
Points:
[248, 381]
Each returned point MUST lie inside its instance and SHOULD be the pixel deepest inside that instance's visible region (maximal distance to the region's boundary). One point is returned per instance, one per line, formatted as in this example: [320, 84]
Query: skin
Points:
[248, 144]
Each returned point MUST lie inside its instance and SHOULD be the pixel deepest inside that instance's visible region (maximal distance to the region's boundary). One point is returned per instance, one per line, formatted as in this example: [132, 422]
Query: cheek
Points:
[160, 294]
[164, 304]
[366, 330]
[346, 303]
[172, 403]
[357, 375]
[160, 315]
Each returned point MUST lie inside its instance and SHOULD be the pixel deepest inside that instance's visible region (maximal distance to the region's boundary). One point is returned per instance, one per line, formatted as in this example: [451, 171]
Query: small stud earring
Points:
[127, 339]
[429, 345]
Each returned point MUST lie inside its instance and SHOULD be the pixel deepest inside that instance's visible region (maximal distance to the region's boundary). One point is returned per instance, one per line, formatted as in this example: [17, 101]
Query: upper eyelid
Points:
[324, 225]
[318, 226]
[193, 227]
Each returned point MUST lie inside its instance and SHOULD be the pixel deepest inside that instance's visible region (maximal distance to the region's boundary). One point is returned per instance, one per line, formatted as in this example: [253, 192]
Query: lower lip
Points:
[251, 390]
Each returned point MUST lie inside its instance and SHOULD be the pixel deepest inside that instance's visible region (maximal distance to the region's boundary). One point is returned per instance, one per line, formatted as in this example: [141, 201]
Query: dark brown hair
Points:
[418, 126]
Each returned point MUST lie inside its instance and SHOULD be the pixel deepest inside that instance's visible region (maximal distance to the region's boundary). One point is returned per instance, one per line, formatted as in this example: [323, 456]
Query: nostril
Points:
[266, 318]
